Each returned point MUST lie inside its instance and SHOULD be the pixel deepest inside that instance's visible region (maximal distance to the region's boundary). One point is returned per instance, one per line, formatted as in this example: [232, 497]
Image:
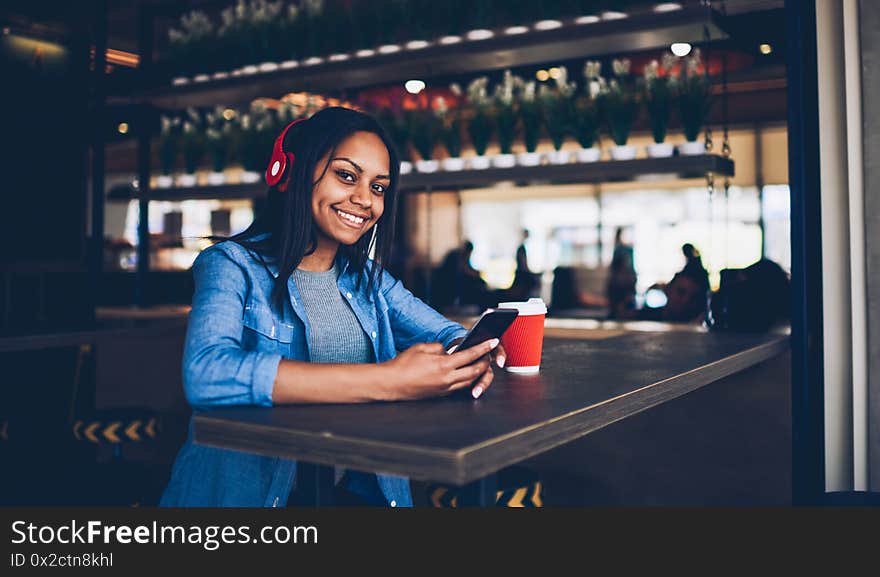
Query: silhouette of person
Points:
[621, 290]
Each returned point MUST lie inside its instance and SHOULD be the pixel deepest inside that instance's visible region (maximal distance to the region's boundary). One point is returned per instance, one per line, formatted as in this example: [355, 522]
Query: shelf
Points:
[585, 172]
[641, 31]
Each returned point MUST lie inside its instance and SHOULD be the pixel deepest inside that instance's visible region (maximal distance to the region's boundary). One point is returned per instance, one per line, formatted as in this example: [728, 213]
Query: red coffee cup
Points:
[523, 341]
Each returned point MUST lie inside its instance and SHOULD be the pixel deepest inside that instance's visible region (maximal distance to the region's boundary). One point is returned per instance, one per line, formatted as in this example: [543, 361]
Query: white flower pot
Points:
[587, 19]
[504, 160]
[164, 181]
[452, 164]
[250, 177]
[339, 57]
[427, 165]
[659, 150]
[187, 180]
[417, 44]
[559, 156]
[694, 148]
[389, 48]
[268, 67]
[249, 69]
[365, 53]
[667, 7]
[528, 158]
[591, 154]
[405, 167]
[216, 178]
[623, 152]
[220, 75]
[313, 61]
[288, 64]
[547, 24]
[480, 162]
[451, 39]
[479, 34]
[180, 80]
[513, 30]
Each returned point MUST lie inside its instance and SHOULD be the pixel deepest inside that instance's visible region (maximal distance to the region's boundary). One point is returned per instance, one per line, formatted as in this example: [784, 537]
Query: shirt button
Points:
[373, 334]
[348, 295]
[394, 503]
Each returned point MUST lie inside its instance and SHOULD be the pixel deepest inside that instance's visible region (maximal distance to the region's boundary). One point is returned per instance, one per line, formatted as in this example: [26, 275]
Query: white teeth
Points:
[351, 217]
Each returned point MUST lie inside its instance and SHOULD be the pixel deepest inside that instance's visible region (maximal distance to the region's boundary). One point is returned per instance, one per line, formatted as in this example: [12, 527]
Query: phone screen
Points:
[491, 325]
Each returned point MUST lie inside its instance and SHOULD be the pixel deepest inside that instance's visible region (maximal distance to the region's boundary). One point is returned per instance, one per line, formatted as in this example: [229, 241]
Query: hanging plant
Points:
[480, 124]
[619, 103]
[505, 113]
[257, 135]
[586, 120]
[423, 129]
[694, 96]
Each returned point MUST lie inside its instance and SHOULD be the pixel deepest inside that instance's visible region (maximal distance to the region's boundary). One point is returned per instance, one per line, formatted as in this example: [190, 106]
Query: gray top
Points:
[335, 335]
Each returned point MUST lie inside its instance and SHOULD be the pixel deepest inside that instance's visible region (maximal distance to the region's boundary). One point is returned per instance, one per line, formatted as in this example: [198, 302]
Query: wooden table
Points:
[584, 385]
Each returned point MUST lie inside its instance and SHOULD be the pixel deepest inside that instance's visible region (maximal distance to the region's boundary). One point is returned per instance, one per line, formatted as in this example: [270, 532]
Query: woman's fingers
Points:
[483, 383]
[468, 356]
[500, 355]
[466, 375]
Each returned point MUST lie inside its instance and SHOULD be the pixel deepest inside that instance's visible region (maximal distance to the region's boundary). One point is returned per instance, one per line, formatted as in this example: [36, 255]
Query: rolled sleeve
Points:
[217, 370]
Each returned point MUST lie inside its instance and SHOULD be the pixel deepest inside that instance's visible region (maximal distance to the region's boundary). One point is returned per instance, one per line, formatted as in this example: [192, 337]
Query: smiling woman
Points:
[292, 310]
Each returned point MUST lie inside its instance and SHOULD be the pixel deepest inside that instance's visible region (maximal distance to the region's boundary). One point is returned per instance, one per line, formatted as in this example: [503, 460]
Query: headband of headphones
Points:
[281, 164]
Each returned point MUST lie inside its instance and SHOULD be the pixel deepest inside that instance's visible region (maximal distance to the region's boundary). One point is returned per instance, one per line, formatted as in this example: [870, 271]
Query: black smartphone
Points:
[491, 325]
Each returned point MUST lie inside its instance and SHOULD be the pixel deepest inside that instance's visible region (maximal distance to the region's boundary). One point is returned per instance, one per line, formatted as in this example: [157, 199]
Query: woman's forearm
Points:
[304, 382]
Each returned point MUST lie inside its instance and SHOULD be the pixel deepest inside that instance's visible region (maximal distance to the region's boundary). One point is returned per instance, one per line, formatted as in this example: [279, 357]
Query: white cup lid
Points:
[533, 306]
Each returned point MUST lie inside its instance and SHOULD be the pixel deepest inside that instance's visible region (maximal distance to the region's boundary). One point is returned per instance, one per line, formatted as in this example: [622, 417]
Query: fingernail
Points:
[476, 392]
[493, 343]
[501, 361]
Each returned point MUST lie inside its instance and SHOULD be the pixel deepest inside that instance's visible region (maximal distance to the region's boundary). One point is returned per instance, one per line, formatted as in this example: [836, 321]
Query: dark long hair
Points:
[287, 216]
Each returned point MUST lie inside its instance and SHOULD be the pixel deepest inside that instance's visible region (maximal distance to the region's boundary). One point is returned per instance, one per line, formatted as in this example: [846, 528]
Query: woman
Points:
[292, 310]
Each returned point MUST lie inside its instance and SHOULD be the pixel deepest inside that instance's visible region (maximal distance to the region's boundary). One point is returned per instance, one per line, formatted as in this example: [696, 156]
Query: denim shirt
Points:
[234, 342]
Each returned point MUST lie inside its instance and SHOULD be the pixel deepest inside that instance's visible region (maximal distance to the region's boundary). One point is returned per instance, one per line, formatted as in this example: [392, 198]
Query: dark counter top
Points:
[584, 384]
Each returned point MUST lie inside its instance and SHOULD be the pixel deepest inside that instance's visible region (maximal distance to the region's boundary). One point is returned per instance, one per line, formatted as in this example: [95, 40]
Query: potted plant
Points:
[256, 133]
[530, 116]
[556, 104]
[549, 14]
[694, 102]
[423, 128]
[619, 105]
[448, 19]
[449, 123]
[217, 140]
[586, 120]
[313, 30]
[391, 27]
[193, 146]
[392, 119]
[190, 47]
[480, 123]
[505, 121]
[658, 95]
[169, 146]
[613, 9]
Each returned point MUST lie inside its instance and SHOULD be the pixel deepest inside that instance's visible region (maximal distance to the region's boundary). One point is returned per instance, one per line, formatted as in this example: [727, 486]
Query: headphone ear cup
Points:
[286, 172]
[275, 170]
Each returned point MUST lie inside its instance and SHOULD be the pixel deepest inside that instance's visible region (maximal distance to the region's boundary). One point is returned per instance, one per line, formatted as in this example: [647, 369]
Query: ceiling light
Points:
[667, 7]
[765, 49]
[414, 86]
[122, 128]
[680, 48]
[542, 75]
[555, 72]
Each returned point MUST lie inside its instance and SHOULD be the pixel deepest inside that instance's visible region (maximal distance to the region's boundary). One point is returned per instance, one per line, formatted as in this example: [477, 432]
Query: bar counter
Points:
[587, 381]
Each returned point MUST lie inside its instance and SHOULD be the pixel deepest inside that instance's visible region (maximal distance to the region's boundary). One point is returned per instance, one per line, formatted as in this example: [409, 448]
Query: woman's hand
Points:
[427, 370]
[498, 354]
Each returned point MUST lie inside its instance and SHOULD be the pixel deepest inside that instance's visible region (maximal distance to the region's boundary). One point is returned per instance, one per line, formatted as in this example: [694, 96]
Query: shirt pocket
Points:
[265, 332]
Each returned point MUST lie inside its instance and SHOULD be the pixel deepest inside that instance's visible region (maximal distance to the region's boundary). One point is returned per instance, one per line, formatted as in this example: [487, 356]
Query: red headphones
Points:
[281, 164]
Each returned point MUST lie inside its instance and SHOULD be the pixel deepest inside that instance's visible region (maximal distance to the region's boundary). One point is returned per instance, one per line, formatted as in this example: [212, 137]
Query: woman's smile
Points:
[353, 219]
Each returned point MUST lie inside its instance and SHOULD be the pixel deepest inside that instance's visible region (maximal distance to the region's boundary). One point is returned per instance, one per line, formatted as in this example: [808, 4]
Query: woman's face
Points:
[350, 197]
